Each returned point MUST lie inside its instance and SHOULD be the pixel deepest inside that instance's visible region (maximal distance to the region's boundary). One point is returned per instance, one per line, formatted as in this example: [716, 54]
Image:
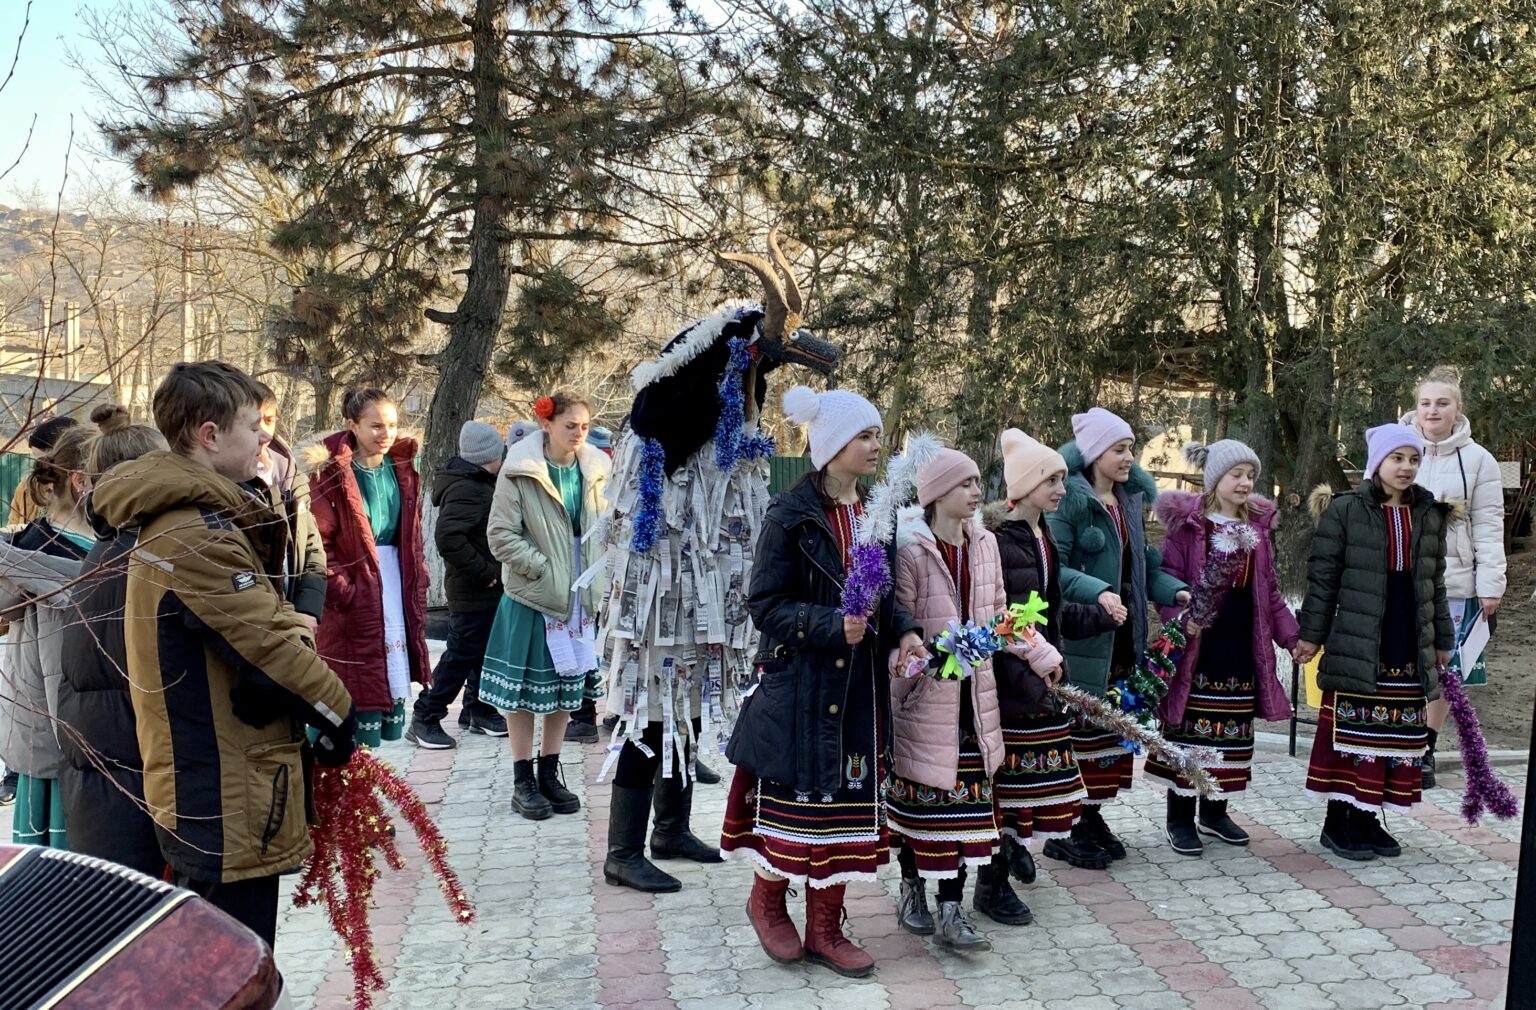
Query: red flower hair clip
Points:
[544, 408]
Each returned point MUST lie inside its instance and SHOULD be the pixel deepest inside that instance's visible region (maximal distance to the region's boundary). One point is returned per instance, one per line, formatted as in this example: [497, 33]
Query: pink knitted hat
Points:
[1097, 430]
[942, 474]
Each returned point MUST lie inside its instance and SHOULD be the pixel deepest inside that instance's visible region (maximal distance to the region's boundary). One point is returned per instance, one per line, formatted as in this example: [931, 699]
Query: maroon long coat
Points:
[351, 636]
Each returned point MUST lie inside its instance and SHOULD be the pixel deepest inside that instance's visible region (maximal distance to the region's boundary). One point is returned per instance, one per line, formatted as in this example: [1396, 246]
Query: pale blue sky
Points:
[47, 86]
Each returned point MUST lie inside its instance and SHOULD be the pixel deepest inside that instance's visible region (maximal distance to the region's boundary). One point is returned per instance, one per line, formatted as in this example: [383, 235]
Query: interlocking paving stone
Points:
[1280, 924]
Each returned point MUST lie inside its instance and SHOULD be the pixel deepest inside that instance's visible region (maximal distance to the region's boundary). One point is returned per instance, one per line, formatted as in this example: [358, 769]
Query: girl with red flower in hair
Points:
[540, 660]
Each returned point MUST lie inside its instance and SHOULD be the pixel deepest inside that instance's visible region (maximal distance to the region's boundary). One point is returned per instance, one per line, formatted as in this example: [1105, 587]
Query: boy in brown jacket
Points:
[223, 668]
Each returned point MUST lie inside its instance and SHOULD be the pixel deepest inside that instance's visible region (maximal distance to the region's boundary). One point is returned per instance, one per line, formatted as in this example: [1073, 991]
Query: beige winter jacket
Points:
[1457, 469]
[529, 530]
[925, 712]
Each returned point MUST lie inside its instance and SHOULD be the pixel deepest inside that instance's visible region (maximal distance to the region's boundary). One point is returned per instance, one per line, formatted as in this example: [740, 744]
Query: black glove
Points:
[334, 744]
[259, 706]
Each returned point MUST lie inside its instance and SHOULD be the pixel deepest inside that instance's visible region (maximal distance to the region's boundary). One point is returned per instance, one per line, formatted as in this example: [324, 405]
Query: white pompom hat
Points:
[832, 419]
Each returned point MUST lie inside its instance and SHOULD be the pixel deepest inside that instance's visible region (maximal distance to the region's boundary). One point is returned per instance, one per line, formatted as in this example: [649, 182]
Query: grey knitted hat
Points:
[1216, 459]
[479, 443]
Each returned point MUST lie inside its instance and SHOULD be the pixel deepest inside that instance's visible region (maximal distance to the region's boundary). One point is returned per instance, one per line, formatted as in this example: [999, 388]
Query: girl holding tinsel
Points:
[1100, 531]
[805, 805]
[946, 738]
[540, 661]
[1039, 787]
[366, 498]
[1226, 675]
[1376, 599]
[1457, 468]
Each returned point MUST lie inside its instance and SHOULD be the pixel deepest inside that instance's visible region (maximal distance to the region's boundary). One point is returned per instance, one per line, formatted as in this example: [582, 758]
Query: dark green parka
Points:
[1347, 585]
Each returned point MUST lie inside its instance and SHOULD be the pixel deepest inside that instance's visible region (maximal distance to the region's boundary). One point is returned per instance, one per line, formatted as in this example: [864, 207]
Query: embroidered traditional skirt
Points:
[1369, 747]
[1039, 788]
[519, 675]
[1106, 765]
[816, 839]
[1220, 711]
[946, 828]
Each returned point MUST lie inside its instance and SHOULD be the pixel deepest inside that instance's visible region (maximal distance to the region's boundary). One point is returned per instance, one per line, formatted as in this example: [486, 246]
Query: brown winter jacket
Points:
[352, 630]
[222, 667]
[925, 711]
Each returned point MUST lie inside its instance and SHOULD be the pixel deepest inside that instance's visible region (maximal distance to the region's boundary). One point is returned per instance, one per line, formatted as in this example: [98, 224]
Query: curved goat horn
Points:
[791, 286]
[775, 308]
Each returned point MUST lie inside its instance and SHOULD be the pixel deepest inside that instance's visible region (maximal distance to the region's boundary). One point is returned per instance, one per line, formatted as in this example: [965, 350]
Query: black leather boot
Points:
[626, 865]
[1427, 769]
[1180, 825]
[526, 798]
[995, 898]
[561, 799]
[1093, 822]
[671, 838]
[1216, 822]
[1021, 863]
[1080, 849]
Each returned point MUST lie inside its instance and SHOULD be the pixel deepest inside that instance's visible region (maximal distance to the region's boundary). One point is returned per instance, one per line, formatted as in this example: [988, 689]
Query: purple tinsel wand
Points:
[869, 578]
[1484, 790]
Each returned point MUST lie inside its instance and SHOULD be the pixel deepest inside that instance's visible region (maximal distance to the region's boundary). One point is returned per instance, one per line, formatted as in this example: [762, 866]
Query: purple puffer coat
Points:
[1183, 515]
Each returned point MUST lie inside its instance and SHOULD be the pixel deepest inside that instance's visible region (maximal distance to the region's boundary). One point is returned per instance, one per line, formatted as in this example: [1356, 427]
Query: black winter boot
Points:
[1215, 821]
[995, 897]
[526, 798]
[1080, 849]
[1181, 825]
[1371, 835]
[1339, 833]
[626, 865]
[671, 838]
[1427, 769]
[561, 799]
[1020, 862]
[1093, 823]
[912, 911]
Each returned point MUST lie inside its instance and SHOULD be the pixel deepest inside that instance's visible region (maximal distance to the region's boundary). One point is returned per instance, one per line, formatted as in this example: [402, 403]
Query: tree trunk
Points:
[473, 326]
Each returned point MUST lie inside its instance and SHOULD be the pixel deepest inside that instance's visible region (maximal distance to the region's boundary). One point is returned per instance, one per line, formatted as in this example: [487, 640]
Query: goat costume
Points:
[689, 496]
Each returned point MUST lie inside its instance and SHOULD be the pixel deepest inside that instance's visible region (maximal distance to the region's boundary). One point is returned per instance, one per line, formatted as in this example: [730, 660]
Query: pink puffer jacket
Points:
[925, 712]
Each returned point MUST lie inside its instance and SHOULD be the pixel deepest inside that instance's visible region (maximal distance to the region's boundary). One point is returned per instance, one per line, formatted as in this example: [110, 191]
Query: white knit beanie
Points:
[833, 419]
[1216, 459]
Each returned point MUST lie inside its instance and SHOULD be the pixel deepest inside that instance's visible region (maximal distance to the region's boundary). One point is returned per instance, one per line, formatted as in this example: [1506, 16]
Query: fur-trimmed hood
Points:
[341, 445]
[912, 528]
[1187, 508]
[1323, 495]
[1081, 499]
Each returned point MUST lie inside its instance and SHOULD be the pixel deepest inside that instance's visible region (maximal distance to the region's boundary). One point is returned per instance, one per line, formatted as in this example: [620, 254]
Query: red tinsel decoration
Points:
[352, 824]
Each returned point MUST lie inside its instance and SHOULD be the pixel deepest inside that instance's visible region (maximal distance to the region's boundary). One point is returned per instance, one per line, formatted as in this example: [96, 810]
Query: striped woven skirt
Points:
[817, 839]
[1039, 788]
[946, 828]
[1219, 715]
[1106, 765]
[1369, 748]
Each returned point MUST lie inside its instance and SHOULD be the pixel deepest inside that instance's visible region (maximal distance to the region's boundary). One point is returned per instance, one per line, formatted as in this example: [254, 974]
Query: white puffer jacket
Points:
[1457, 469]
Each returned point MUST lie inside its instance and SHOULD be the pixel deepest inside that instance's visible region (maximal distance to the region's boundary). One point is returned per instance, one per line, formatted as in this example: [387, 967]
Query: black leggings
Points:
[950, 888]
[635, 770]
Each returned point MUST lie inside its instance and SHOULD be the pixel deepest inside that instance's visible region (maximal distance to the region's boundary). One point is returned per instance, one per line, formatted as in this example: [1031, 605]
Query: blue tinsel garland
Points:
[733, 416]
[647, 520]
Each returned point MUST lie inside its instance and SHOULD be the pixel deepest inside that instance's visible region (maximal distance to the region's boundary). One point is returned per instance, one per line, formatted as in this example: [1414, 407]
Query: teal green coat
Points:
[1089, 549]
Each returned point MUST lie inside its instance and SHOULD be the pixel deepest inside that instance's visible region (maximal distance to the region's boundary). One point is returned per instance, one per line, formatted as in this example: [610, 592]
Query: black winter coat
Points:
[103, 807]
[1347, 585]
[1022, 693]
[790, 728]
[462, 493]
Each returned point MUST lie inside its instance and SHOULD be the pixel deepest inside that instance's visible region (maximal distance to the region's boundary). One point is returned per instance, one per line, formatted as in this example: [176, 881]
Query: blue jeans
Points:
[459, 668]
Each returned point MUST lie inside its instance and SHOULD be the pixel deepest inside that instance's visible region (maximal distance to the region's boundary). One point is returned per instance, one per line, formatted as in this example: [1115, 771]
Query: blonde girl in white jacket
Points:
[1456, 468]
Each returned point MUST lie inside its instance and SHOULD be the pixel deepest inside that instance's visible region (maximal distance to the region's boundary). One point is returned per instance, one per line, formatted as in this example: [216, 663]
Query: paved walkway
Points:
[1279, 925]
